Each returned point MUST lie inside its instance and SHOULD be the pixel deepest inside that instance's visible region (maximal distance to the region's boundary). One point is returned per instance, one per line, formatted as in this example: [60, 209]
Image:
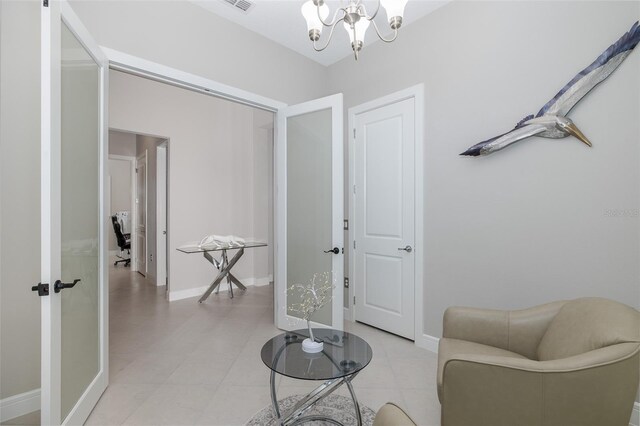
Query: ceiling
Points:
[282, 22]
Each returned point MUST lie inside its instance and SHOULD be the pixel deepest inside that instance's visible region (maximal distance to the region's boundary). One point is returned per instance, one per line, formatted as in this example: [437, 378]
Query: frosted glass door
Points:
[74, 351]
[309, 206]
[80, 203]
[309, 243]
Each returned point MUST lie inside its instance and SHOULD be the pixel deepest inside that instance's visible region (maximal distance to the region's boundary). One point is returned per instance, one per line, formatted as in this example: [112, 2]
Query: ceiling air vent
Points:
[243, 5]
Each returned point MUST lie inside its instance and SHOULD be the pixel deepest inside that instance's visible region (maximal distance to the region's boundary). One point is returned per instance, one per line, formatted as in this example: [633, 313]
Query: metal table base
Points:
[296, 414]
[224, 266]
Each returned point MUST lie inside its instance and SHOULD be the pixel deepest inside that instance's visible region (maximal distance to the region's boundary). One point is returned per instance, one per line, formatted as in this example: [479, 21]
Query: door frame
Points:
[162, 175]
[283, 320]
[417, 94]
[146, 208]
[132, 218]
[51, 18]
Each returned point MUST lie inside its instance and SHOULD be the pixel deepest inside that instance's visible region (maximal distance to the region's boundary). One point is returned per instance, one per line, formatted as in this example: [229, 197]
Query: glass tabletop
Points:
[195, 248]
[343, 354]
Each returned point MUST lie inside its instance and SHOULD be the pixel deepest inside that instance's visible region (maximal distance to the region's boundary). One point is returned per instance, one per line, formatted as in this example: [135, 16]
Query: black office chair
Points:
[123, 240]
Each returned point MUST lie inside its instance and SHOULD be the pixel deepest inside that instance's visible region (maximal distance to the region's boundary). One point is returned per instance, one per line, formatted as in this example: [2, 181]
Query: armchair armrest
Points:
[518, 331]
[594, 388]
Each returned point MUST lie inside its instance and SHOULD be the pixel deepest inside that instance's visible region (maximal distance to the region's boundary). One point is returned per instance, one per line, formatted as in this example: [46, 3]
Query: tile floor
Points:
[185, 363]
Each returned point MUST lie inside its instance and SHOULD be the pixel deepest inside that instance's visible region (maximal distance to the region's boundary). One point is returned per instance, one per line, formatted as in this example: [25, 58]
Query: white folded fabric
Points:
[221, 241]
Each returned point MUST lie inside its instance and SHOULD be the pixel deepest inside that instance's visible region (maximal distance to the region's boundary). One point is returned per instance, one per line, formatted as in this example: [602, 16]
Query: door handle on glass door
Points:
[408, 249]
[334, 250]
[59, 285]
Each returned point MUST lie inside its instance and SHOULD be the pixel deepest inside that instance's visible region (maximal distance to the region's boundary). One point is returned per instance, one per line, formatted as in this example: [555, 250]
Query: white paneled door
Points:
[384, 217]
[141, 214]
[74, 218]
[309, 209]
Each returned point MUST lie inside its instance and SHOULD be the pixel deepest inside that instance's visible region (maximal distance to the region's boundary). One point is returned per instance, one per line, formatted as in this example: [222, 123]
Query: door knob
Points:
[408, 249]
[59, 285]
[334, 250]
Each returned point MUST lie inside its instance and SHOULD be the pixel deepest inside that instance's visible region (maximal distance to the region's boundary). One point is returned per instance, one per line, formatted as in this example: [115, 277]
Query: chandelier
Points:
[355, 19]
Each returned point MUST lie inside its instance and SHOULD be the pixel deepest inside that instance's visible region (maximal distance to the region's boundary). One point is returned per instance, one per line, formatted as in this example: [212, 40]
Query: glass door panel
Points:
[309, 206]
[80, 219]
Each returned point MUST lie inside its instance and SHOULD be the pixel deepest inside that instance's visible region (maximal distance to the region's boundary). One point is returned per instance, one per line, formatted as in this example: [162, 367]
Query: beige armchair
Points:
[570, 363]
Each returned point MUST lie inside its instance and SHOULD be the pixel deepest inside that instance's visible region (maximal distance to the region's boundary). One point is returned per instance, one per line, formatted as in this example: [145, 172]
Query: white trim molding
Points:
[417, 94]
[128, 63]
[197, 291]
[19, 405]
[635, 415]
[427, 342]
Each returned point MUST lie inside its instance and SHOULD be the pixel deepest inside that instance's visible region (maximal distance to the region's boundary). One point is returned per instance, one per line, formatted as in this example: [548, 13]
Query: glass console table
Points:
[223, 265]
[344, 355]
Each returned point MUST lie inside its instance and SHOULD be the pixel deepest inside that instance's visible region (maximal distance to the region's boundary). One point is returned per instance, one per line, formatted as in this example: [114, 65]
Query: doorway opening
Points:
[137, 178]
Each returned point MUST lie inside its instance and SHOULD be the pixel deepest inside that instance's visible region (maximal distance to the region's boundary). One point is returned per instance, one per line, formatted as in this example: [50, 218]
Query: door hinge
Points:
[354, 189]
[45, 3]
[136, 170]
[346, 225]
[346, 282]
[354, 244]
[354, 300]
[354, 133]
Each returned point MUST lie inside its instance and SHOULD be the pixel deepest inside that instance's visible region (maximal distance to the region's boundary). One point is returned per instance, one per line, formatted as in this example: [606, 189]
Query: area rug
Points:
[336, 407]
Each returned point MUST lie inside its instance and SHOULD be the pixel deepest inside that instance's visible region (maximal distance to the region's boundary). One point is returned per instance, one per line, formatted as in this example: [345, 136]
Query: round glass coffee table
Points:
[343, 356]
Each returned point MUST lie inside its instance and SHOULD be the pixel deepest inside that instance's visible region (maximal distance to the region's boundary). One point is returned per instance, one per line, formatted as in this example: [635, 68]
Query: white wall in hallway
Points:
[213, 184]
[121, 143]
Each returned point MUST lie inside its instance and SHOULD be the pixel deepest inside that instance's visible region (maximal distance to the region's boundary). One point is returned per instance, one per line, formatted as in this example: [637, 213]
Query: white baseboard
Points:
[257, 282]
[19, 405]
[635, 415]
[197, 291]
[427, 342]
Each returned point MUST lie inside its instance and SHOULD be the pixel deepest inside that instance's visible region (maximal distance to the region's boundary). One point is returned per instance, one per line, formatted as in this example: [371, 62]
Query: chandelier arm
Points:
[372, 17]
[335, 15]
[395, 33]
[355, 50]
[333, 27]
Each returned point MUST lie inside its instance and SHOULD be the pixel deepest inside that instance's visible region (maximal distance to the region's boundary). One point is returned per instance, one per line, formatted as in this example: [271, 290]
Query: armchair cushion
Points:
[583, 325]
[449, 349]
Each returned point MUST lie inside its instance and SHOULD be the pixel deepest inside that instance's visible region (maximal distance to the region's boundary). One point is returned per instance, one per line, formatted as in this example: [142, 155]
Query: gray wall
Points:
[121, 143]
[533, 223]
[187, 37]
[19, 197]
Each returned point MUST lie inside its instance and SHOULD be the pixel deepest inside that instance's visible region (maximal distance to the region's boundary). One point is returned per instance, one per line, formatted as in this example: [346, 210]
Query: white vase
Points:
[312, 347]
[309, 345]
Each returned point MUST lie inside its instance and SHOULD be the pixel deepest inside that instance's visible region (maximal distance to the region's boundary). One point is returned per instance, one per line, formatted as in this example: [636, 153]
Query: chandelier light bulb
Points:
[310, 12]
[395, 11]
[361, 28]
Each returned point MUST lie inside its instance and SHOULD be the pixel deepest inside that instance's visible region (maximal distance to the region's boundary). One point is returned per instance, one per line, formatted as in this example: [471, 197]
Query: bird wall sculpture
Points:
[551, 120]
